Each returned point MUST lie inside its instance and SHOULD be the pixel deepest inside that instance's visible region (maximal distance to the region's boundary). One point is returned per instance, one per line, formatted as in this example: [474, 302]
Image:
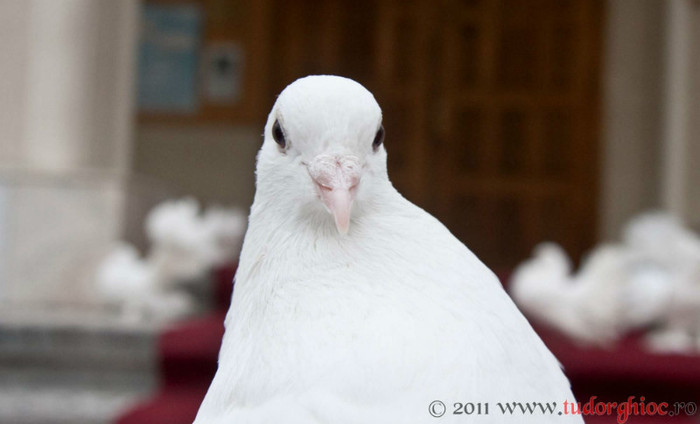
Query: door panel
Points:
[490, 106]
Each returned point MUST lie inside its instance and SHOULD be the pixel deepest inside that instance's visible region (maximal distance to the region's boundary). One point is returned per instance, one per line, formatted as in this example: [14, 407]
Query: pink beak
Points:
[336, 179]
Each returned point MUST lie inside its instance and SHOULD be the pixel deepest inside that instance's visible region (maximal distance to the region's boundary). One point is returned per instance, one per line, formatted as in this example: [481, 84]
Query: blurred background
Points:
[512, 121]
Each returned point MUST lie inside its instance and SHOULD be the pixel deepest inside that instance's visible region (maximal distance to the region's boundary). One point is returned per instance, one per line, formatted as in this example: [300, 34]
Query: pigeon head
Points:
[323, 148]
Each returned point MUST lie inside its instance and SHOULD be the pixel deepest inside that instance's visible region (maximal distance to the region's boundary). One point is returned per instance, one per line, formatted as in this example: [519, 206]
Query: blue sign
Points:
[168, 58]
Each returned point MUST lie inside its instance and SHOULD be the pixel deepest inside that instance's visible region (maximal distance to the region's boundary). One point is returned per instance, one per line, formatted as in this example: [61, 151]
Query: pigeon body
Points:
[351, 304]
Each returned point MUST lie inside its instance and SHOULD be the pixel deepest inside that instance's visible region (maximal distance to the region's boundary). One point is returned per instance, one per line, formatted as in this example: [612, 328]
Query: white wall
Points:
[66, 88]
[681, 177]
[66, 73]
[632, 111]
[14, 18]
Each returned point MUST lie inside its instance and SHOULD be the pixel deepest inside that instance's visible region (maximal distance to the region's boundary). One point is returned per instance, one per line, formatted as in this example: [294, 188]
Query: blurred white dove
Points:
[662, 238]
[352, 305]
[124, 277]
[134, 285]
[651, 278]
[671, 258]
[616, 290]
[226, 228]
[584, 306]
[181, 246]
[186, 244]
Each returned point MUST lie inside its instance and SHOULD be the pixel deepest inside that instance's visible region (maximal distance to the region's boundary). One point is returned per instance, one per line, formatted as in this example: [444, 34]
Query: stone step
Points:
[40, 405]
[65, 365]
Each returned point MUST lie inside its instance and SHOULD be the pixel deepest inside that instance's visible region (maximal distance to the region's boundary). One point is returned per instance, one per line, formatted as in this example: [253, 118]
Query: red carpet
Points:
[188, 353]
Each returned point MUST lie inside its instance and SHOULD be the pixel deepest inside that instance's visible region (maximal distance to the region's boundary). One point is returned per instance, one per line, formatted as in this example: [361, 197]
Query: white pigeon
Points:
[651, 279]
[133, 284]
[352, 305]
[615, 291]
[181, 245]
[671, 254]
[186, 244]
[583, 306]
[126, 279]
[226, 227]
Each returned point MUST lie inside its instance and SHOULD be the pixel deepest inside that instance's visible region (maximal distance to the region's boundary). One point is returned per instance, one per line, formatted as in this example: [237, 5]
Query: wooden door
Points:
[490, 107]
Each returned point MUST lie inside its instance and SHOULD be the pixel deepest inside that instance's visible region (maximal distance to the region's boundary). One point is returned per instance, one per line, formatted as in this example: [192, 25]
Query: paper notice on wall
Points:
[169, 58]
[223, 73]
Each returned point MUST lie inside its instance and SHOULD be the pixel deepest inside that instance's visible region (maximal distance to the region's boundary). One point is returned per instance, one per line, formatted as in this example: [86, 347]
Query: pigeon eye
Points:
[378, 139]
[278, 134]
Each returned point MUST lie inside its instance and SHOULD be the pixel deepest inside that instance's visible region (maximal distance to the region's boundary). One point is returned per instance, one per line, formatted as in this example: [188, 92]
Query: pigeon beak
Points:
[339, 201]
[336, 179]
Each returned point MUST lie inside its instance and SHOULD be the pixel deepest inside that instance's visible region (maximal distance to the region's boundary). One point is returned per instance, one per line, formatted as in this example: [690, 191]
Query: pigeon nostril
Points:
[335, 172]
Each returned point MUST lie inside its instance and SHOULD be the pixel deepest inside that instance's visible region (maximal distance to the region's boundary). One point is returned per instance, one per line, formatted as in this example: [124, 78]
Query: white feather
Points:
[371, 326]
